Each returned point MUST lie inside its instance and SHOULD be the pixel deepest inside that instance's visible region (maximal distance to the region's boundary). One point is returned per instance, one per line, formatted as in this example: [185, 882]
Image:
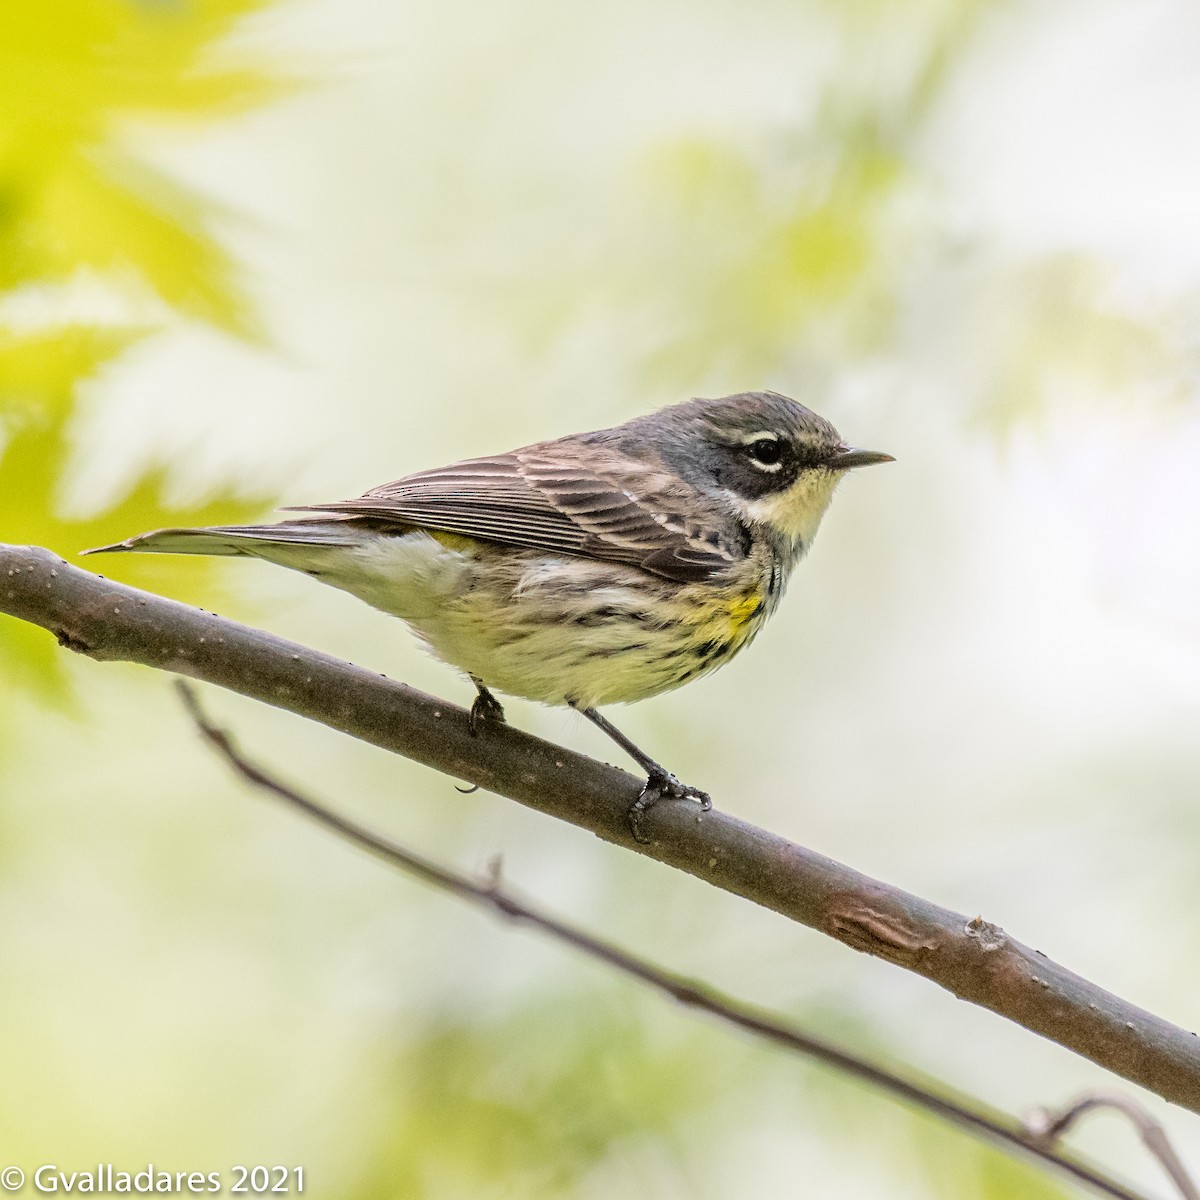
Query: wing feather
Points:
[616, 509]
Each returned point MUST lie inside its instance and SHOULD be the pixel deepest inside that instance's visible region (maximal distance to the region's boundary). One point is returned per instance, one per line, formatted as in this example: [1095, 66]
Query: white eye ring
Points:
[758, 439]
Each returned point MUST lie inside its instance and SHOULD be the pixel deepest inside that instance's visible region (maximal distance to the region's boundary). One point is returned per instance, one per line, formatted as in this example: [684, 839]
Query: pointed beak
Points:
[846, 458]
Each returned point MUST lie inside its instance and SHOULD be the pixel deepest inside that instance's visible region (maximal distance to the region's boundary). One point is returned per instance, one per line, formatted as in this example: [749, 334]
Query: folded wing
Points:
[537, 499]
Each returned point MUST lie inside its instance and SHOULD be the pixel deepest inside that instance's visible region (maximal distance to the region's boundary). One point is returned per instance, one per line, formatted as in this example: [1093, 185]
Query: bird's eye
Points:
[766, 452]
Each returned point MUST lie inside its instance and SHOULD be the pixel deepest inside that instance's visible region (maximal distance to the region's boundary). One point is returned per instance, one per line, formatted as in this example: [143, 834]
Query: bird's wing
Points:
[540, 498]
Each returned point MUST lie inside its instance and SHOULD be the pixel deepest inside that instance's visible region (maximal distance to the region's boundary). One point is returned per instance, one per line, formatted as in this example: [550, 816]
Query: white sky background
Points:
[993, 647]
[1082, 132]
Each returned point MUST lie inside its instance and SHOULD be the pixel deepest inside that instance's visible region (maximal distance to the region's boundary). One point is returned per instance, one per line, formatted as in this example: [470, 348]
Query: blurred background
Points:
[256, 253]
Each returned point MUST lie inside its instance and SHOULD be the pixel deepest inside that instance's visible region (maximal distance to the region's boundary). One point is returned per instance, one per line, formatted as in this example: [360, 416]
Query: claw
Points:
[647, 798]
[661, 787]
[486, 708]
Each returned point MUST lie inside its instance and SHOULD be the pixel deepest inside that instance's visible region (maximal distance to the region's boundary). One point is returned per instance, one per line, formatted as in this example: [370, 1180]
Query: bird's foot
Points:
[661, 785]
[485, 710]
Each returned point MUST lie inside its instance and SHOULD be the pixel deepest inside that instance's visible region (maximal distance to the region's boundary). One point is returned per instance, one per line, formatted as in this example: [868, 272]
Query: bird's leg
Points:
[485, 708]
[660, 783]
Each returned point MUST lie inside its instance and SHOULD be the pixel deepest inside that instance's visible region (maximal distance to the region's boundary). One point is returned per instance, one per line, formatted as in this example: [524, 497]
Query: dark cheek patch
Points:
[753, 483]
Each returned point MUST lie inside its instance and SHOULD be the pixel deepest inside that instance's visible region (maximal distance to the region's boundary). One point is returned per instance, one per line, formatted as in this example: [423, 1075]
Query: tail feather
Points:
[249, 540]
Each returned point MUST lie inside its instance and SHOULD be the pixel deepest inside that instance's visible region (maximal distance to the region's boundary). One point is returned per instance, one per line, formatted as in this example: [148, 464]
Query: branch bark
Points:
[974, 959]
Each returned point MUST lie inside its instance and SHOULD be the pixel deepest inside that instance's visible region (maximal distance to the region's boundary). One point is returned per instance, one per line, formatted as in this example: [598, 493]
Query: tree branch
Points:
[973, 959]
[1030, 1139]
[1049, 1127]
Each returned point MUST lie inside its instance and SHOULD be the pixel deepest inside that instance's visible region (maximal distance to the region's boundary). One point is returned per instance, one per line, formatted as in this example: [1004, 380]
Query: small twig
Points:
[1050, 1127]
[972, 1117]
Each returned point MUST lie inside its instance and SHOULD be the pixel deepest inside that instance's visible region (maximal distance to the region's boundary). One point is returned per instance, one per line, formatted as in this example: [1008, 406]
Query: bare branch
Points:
[973, 959]
[1050, 1127]
[992, 1127]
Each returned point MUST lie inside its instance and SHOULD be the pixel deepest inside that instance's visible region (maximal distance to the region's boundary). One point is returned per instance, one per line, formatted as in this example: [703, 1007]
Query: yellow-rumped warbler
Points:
[600, 568]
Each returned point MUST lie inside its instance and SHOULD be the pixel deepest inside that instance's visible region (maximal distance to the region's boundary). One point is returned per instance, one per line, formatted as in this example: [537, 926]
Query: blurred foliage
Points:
[39, 378]
[74, 76]
[796, 253]
[958, 1164]
[530, 1105]
[534, 1103]
[965, 1167]
[789, 251]
[780, 263]
[1066, 334]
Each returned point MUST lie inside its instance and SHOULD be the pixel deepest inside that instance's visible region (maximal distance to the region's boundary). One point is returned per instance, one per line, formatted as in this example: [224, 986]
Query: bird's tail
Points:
[254, 541]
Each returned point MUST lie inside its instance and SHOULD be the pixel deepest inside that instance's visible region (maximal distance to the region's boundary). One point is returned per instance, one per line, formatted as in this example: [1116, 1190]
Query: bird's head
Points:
[775, 462]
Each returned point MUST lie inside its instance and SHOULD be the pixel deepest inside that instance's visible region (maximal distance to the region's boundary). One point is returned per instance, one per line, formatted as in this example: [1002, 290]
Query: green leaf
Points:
[73, 76]
[113, 215]
[38, 376]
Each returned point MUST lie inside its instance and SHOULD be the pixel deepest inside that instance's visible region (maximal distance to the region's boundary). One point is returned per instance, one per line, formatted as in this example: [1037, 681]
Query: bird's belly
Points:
[564, 630]
[553, 628]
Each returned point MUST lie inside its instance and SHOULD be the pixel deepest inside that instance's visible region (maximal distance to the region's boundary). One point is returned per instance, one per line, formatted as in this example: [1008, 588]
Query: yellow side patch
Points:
[743, 610]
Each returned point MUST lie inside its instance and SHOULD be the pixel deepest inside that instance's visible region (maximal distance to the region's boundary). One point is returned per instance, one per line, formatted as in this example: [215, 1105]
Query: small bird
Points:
[595, 569]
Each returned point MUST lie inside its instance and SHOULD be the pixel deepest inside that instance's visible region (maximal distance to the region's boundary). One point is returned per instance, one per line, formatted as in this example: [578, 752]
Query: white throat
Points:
[795, 514]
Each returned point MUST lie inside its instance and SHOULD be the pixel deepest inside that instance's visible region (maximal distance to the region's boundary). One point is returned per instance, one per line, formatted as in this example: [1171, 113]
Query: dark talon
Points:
[656, 788]
[486, 708]
[647, 798]
[659, 781]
